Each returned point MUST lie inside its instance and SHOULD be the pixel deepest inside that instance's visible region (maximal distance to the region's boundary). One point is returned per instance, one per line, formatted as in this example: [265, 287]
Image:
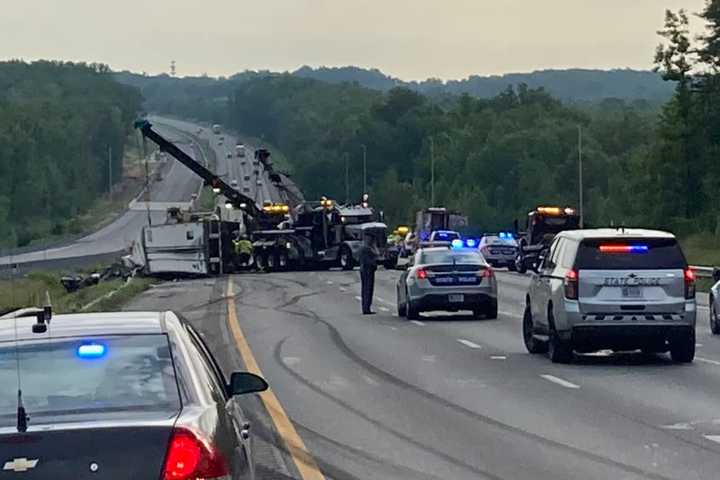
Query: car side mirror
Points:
[246, 382]
[716, 274]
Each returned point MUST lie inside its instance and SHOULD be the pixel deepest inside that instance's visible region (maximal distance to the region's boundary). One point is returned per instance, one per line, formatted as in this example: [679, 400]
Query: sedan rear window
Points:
[635, 254]
[78, 376]
[449, 257]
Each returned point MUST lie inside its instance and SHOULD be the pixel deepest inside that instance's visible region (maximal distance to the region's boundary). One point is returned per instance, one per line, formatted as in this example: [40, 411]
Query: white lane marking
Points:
[369, 380]
[468, 343]
[343, 289]
[357, 297]
[707, 360]
[559, 381]
[330, 282]
[505, 313]
[428, 358]
[698, 345]
[384, 309]
[678, 426]
[713, 438]
[386, 302]
[418, 323]
[498, 357]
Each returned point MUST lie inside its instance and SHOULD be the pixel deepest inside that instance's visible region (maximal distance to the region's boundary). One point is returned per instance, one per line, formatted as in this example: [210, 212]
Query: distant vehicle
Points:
[216, 129]
[447, 279]
[259, 182]
[220, 142]
[440, 238]
[240, 150]
[617, 289]
[229, 155]
[246, 178]
[234, 183]
[256, 172]
[200, 131]
[542, 225]
[145, 381]
[243, 162]
[499, 249]
[714, 303]
[437, 218]
[246, 189]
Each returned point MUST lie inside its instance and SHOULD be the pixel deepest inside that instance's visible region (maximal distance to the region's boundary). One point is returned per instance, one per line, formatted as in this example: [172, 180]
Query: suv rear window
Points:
[638, 253]
[96, 375]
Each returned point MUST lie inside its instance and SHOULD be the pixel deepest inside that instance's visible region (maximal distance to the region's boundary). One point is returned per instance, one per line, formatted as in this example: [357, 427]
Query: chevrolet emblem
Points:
[19, 465]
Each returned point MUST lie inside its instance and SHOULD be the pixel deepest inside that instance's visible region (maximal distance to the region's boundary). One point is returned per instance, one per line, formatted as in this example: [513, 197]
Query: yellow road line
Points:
[298, 451]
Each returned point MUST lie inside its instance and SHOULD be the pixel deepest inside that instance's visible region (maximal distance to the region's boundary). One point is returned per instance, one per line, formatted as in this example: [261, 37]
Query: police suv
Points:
[617, 289]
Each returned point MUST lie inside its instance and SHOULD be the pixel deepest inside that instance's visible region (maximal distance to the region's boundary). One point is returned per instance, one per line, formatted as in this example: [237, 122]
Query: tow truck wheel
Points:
[283, 260]
[259, 260]
[272, 261]
[346, 259]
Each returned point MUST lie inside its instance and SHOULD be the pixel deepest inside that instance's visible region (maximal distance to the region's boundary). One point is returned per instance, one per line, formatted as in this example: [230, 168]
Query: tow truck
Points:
[311, 235]
[541, 226]
[435, 219]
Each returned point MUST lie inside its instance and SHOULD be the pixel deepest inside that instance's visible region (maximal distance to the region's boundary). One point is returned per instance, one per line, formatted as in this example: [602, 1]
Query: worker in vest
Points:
[243, 249]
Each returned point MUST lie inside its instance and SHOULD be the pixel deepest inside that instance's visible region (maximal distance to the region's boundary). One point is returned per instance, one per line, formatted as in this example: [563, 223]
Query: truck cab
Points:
[542, 224]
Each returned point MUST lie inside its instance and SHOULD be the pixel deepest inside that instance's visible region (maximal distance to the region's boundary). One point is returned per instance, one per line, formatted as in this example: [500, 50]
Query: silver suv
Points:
[623, 289]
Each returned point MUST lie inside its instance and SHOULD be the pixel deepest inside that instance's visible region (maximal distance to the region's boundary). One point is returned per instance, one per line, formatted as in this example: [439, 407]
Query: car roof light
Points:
[91, 350]
[471, 242]
[456, 243]
[624, 248]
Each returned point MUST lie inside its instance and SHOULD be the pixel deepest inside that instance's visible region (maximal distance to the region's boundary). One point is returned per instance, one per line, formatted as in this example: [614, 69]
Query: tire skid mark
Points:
[379, 425]
[340, 343]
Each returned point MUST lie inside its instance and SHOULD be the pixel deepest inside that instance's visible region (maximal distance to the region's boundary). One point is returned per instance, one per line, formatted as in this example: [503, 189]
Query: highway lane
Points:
[450, 397]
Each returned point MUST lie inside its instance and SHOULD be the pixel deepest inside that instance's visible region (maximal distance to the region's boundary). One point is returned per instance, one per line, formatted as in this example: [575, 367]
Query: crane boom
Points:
[237, 199]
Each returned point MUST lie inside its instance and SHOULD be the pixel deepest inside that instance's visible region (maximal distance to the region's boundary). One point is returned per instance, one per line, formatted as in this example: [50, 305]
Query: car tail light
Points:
[689, 283]
[486, 273]
[421, 274]
[571, 285]
[190, 458]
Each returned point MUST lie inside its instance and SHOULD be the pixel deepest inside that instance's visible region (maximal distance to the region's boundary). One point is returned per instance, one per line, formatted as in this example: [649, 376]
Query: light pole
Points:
[580, 176]
[432, 172]
[364, 167]
[347, 178]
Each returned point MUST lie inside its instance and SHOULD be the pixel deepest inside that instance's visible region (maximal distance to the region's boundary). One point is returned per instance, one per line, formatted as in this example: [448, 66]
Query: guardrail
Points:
[702, 271]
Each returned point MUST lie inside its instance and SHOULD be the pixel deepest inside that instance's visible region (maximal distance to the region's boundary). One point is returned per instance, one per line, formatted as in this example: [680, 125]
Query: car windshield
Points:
[100, 374]
[449, 256]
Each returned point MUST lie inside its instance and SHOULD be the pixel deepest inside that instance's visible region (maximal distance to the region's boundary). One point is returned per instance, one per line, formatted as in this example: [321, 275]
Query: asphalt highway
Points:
[447, 397]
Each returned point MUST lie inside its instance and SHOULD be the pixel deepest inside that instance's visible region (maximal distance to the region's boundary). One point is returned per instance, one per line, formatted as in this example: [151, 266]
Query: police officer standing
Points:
[368, 265]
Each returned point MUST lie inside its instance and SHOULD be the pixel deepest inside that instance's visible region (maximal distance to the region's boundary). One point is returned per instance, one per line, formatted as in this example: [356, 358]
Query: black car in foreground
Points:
[118, 396]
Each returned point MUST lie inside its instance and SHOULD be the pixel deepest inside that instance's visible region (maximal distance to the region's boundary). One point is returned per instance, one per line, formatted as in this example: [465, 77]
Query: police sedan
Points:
[499, 249]
[447, 279]
[118, 395]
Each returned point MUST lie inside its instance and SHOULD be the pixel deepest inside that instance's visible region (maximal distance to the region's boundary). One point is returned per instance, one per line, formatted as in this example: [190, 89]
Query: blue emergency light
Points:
[91, 351]
[457, 243]
[471, 243]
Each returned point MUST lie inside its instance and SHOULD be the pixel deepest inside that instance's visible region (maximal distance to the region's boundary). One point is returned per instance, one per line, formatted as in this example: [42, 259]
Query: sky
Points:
[412, 40]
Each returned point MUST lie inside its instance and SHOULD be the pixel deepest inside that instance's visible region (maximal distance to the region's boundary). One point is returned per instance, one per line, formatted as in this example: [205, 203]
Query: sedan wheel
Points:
[532, 344]
[714, 326]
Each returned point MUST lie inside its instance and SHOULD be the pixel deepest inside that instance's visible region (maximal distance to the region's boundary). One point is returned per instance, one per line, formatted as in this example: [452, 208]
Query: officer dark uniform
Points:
[368, 265]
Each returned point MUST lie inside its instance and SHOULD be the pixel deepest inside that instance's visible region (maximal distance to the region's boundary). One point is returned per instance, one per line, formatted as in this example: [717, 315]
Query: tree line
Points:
[644, 164]
[58, 121]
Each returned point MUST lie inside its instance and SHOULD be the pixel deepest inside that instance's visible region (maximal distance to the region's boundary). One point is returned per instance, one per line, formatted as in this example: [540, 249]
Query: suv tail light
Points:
[571, 285]
[689, 283]
[190, 458]
[421, 274]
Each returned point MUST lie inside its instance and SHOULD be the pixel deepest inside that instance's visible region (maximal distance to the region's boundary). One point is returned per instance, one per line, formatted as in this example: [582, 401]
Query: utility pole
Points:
[110, 172]
[364, 168]
[580, 176]
[347, 179]
[432, 172]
